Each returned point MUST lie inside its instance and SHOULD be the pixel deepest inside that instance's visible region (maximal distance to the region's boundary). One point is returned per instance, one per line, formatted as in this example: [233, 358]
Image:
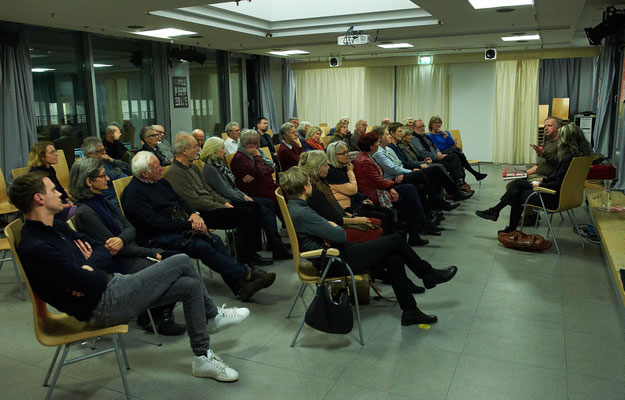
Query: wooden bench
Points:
[610, 226]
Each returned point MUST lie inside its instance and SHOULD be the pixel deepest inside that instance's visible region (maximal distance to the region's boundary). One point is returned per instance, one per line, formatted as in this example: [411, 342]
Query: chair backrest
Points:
[290, 229]
[19, 171]
[266, 151]
[62, 170]
[560, 108]
[572, 189]
[3, 189]
[543, 113]
[224, 136]
[455, 135]
[322, 124]
[325, 129]
[229, 158]
[326, 141]
[41, 314]
[270, 132]
[199, 163]
[119, 185]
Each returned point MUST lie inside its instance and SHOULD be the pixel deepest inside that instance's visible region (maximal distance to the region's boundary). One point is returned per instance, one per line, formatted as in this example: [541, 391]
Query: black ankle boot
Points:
[417, 316]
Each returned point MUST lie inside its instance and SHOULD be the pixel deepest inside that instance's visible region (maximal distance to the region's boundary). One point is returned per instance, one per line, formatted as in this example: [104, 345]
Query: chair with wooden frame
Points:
[571, 196]
[455, 135]
[19, 171]
[268, 154]
[543, 113]
[8, 208]
[310, 275]
[62, 330]
[326, 141]
[560, 108]
[62, 170]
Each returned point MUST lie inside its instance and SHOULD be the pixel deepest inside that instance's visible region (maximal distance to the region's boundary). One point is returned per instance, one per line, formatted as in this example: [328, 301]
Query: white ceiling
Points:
[560, 23]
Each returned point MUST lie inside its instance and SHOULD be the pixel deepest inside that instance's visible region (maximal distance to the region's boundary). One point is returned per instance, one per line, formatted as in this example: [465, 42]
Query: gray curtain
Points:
[289, 102]
[17, 111]
[608, 68]
[560, 77]
[267, 104]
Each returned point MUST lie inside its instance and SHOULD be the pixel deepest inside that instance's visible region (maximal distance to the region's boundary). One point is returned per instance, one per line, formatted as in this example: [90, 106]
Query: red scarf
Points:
[315, 145]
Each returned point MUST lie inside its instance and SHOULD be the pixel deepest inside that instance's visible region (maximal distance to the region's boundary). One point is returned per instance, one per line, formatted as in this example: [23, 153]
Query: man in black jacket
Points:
[164, 220]
[67, 270]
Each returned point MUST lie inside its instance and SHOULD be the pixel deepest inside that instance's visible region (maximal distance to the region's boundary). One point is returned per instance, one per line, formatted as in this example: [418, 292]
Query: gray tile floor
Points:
[511, 326]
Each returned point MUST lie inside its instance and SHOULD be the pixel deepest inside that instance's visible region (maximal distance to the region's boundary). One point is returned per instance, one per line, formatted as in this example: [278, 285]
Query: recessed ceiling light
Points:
[135, 27]
[504, 10]
[165, 33]
[519, 38]
[288, 52]
[42, 69]
[395, 46]
[96, 65]
[479, 4]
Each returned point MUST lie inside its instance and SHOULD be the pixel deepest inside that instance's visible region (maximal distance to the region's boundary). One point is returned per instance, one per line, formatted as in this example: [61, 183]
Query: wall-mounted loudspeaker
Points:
[335, 61]
[490, 54]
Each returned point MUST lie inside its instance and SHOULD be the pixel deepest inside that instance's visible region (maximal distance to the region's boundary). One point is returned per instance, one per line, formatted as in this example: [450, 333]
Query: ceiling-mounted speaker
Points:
[335, 61]
[490, 54]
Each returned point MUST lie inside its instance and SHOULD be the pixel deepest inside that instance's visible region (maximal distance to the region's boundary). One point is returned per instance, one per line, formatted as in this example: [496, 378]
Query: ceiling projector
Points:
[352, 40]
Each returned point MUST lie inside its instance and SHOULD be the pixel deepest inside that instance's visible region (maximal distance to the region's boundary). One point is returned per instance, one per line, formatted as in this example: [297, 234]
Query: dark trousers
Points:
[452, 164]
[410, 206]
[463, 160]
[425, 188]
[265, 215]
[247, 224]
[390, 253]
[214, 255]
[438, 176]
[516, 195]
[385, 215]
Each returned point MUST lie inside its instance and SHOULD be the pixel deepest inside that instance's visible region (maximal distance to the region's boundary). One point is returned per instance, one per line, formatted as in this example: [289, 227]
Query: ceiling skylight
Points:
[479, 4]
[520, 38]
[165, 33]
[42, 69]
[395, 45]
[288, 52]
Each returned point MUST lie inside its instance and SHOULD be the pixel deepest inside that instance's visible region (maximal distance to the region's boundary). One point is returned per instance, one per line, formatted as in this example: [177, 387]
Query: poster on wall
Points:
[181, 99]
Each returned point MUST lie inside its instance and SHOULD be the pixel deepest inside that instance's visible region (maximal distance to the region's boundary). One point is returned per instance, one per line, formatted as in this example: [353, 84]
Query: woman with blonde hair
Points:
[313, 139]
[42, 157]
[217, 174]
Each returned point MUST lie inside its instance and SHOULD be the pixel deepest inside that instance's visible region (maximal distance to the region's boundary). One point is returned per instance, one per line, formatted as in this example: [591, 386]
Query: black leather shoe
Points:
[256, 273]
[437, 217]
[438, 276]
[262, 261]
[282, 254]
[488, 214]
[417, 317]
[254, 284]
[479, 176]
[450, 205]
[462, 195]
[414, 288]
[416, 240]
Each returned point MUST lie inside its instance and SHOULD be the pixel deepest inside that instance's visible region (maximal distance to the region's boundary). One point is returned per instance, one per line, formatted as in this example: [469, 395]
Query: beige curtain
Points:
[516, 111]
[423, 91]
[326, 95]
[379, 94]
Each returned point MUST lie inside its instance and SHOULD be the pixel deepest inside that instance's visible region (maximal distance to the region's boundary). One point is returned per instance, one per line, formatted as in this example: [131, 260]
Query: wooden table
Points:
[611, 228]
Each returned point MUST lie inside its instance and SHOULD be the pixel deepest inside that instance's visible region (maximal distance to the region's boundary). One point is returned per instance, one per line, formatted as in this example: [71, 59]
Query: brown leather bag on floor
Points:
[520, 241]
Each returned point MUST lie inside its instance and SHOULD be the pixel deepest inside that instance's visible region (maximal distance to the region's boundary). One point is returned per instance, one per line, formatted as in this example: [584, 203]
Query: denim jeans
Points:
[214, 255]
[169, 281]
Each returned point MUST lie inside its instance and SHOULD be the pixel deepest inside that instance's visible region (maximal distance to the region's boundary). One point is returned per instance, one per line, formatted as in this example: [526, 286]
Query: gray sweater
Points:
[189, 184]
[221, 184]
[312, 228]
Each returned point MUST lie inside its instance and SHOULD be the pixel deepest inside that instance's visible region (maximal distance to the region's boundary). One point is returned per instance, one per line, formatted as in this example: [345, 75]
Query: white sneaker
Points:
[211, 366]
[226, 317]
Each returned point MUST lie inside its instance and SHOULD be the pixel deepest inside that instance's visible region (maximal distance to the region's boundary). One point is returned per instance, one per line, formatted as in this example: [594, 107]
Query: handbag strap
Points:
[380, 296]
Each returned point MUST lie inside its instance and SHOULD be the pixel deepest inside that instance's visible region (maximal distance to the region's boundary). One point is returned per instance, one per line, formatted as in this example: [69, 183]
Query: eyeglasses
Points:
[154, 135]
[103, 176]
[343, 153]
[101, 151]
[161, 132]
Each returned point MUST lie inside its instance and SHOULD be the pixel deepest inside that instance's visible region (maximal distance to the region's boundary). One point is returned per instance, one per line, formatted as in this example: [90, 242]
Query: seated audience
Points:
[571, 143]
[163, 144]
[358, 229]
[445, 143]
[345, 119]
[150, 137]
[199, 137]
[294, 121]
[344, 186]
[252, 170]
[390, 253]
[114, 147]
[99, 220]
[164, 220]
[342, 133]
[186, 179]
[386, 192]
[313, 139]
[92, 147]
[361, 129]
[234, 133]
[266, 138]
[428, 152]
[42, 157]
[393, 169]
[290, 148]
[217, 174]
[67, 270]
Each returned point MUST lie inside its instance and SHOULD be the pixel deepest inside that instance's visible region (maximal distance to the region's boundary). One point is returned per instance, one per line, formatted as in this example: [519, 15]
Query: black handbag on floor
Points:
[331, 314]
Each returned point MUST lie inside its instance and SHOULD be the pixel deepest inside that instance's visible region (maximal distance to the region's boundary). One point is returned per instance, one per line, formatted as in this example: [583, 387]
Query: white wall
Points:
[471, 107]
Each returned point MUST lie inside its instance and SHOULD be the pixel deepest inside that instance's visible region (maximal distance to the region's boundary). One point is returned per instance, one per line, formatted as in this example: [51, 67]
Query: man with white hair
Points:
[149, 136]
[114, 147]
[294, 121]
[198, 135]
[163, 143]
[186, 179]
[234, 133]
[164, 220]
